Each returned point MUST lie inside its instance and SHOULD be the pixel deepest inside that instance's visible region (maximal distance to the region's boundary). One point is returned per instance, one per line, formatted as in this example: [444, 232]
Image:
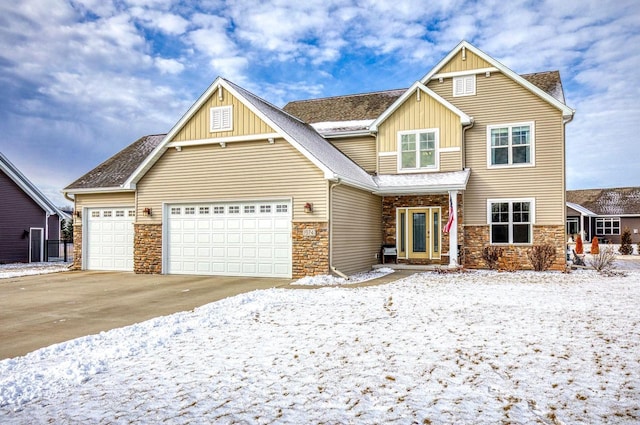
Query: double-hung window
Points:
[607, 226]
[418, 150]
[510, 220]
[510, 145]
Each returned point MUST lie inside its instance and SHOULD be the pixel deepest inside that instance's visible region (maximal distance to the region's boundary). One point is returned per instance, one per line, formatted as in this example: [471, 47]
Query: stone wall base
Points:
[477, 237]
[77, 247]
[147, 248]
[310, 249]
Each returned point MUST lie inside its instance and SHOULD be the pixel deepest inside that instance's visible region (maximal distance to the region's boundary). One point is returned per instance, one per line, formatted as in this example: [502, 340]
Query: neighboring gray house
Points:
[27, 217]
[604, 213]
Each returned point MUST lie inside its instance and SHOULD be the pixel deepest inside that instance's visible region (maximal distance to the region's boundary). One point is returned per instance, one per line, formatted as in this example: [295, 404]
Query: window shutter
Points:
[458, 86]
[470, 84]
[221, 118]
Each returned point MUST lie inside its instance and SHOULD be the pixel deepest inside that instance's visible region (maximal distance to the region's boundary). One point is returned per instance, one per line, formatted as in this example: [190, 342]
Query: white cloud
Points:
[168, 66]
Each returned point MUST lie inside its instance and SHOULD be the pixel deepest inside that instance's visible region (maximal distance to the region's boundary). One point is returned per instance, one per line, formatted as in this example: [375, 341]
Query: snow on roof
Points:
[341, 126]
[424, 182]
[579, 208]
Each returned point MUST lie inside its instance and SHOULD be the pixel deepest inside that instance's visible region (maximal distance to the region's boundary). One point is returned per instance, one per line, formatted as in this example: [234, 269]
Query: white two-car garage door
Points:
[109, 239]
[233, 239]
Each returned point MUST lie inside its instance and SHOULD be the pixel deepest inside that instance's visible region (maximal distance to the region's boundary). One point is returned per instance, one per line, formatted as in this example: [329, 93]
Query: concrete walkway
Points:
[37, 311]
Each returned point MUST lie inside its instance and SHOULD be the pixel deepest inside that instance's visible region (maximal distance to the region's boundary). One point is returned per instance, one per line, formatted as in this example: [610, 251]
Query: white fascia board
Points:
[464, 118]
[112, 189]
[161, 148]
[418, 190]
[463, 73]
[27, 187]
[232, 139]
[327, 172]
[349, 182]
[345, 134]
[566, 111]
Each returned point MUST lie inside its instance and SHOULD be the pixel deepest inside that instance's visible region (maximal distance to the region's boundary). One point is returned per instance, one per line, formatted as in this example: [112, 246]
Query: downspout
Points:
[462, 142]
[566, 120]
[338, 182]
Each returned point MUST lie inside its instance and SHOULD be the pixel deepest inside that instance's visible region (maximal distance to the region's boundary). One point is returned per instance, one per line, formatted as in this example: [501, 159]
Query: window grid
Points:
[282, 208]
[510, 144]
[107, 213]
[176, 210]
[234, 209]
[418, 150]
[265, 209]
[607, 226]
[189, 210]
[203, 210]
[510, 222]
[95, 213]
[131, 213]
[119, 213]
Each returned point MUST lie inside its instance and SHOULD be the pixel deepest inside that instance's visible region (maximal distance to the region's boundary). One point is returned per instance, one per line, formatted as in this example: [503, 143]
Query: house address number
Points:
[308, 233]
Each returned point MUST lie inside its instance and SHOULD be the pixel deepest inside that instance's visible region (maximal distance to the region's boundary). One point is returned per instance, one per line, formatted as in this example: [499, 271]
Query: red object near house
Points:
[579, 246]
[595, 249]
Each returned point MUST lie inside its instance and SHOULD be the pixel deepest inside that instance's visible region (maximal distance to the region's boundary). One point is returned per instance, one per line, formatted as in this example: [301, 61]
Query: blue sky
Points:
[82, 79]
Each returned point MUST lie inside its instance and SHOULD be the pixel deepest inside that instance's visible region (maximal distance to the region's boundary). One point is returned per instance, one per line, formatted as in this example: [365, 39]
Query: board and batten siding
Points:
[245, 122]
[240, 171]
[493, 104]
[361, 150]
[418, 115]
[471, 62]
[357, 229]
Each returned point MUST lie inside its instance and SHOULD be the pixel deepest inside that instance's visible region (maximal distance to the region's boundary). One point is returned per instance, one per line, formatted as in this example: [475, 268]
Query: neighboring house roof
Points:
[29, 188]
[580, 209]
[115, 171]
[548, 81]
[612, 202]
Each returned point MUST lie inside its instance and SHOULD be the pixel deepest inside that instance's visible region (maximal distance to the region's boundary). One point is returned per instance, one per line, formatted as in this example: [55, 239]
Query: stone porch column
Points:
[453, 231]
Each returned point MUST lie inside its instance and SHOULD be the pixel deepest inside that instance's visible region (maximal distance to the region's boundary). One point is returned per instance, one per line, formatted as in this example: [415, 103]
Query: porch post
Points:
[453, 231]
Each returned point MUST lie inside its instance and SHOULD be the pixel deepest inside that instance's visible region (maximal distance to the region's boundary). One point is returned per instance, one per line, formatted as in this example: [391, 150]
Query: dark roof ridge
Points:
[349, 95]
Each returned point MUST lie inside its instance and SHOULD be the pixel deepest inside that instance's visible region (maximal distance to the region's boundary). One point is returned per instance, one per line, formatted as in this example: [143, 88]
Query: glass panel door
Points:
[419, 235]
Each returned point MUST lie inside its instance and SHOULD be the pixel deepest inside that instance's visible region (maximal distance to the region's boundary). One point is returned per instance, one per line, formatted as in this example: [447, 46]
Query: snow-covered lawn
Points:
[470, 348]
[24, 269]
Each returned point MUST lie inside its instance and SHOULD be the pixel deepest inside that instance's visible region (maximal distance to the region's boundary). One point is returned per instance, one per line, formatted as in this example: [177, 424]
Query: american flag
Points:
[450, 222]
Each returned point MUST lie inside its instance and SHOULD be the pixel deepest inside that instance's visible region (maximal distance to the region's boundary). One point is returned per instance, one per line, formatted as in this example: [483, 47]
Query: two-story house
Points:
[471, 155]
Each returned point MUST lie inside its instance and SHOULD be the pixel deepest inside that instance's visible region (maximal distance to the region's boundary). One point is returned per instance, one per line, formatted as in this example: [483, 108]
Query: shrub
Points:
[625, 242]
[542, 257]
[595, 249]
[491, 255]
[603, 261]
[579, 245]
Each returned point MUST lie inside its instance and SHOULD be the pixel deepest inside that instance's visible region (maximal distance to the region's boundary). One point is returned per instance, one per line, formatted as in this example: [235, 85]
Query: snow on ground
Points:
[465, 348]
[324, 280]
[24, 269]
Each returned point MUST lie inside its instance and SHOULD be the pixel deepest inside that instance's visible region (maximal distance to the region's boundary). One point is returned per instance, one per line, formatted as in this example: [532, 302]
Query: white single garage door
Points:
[109, 239]
[232, 239]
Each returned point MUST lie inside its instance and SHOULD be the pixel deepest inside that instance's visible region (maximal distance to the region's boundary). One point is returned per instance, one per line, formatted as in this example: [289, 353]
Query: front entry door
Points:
[419, 233]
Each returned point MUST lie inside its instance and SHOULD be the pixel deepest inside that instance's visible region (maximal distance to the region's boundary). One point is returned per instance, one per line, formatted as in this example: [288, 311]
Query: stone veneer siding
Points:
[477, 238]
[389, 205]
[310, 254]
[77, 247]
[147, 248]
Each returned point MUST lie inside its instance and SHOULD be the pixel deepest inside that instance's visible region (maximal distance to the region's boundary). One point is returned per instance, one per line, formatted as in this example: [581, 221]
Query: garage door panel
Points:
[109, 236]
[240, 238]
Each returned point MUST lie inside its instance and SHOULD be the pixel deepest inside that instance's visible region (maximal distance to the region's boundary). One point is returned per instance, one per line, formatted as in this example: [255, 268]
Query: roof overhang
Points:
[580, 209]
[567, 112]
[423, 183]
[82, 191]
[419, 86]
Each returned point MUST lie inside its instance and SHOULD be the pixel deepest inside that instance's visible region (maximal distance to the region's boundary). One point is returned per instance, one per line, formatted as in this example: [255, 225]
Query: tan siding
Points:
[450, 161]
[388, 164]
[241, 171]
[118, 199]
[245, 122]
[494, 104]
[357, 229]
[456, 64]
[362, 150]
[414, 115]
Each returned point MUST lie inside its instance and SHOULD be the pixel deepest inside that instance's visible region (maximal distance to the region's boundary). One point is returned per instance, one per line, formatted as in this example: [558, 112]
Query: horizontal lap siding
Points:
[357, 229]
[450, 161]
[240, 171]
[499, 100]
[97, 200]
[361, 150]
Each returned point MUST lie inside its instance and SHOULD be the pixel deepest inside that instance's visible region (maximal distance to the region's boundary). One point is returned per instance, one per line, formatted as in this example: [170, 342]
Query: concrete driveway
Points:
[37, 311]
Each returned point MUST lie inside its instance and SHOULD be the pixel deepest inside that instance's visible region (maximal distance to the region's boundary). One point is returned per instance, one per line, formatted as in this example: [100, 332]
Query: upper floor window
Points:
[510, 220]
[510, 145]
[221, 118]
[418, 150]
[607, 226]
[464, 86]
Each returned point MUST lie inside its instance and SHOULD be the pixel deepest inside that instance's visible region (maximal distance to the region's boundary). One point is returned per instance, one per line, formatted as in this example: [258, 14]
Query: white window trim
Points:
[607, 219]
[532, 144]
[468, 85]
[221, 110]
[436, 167]
[532, 221]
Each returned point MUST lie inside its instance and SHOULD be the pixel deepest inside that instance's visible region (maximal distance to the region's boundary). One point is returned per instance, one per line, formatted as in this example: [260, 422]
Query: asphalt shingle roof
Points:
[117, 169]
[615, 201]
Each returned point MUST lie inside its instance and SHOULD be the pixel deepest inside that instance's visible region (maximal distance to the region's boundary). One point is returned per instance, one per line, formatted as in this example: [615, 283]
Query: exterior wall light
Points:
[147, 212]
[308, 207]
[77, 213]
